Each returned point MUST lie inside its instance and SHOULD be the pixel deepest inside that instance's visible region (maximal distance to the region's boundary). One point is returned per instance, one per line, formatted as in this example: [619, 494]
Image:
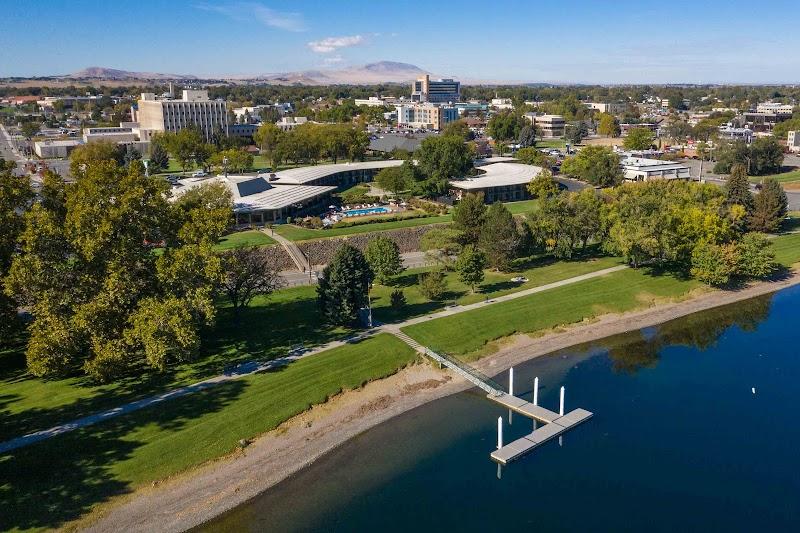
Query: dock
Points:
[555, 424]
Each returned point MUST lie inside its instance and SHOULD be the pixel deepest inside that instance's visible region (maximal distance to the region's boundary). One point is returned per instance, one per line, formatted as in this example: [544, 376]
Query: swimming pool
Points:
[366, 211]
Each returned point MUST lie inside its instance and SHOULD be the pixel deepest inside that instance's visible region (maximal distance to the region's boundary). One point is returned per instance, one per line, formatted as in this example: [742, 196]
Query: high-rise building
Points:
[435, 91]
[193, 109]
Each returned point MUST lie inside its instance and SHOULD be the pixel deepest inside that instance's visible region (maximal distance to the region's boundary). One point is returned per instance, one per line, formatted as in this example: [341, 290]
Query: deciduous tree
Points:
[469, 215]
[383, 256]
[249, 272]
[499, 237]
[470, 265]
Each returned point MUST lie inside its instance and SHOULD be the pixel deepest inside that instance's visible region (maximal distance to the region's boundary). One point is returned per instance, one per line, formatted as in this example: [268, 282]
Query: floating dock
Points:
[555, 424]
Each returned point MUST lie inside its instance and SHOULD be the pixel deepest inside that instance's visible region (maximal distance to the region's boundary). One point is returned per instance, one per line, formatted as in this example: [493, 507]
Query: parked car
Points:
[199, 174]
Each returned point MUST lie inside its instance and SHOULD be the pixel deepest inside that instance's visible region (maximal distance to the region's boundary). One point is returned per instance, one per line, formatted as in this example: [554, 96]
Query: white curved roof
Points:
[499, 175]
[303, 175]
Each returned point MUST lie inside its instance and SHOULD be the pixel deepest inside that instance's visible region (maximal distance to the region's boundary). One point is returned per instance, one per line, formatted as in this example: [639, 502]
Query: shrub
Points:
[397, 298]
[432, 284]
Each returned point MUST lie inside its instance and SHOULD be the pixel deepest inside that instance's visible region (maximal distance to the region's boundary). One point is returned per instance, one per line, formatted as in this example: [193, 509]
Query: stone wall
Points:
[284, 259]
[320, 252]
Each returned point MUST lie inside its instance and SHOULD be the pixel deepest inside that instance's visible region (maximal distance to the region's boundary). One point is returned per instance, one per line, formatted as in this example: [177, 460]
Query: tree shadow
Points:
[52, 482]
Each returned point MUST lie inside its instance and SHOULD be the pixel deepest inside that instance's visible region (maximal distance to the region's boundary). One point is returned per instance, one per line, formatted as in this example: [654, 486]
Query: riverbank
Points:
[190, 499]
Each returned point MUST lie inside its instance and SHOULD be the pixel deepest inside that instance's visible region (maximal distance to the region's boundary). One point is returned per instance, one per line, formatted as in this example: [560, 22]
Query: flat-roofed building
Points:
[445, 90]
[340, 175]
[775, 107]
[501, 103]
[52, 149]
[118, 134]
[290, 123]
[642, 169]
[258, 200]
[731, 133]
[193, 109]
[550, 126]
[499, 182]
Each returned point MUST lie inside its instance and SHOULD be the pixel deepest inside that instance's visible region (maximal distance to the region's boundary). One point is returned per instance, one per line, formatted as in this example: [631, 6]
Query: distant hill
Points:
[103, 73]
[380, 72]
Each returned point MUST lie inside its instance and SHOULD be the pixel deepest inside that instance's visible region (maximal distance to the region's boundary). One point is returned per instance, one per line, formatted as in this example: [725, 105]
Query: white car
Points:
[519, 279]
[199, 174]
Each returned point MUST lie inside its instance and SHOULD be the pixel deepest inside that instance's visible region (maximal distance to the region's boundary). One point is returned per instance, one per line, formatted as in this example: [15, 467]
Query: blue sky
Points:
[535, 40]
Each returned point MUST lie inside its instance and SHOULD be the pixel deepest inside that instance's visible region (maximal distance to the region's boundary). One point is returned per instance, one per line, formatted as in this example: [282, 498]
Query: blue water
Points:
[365, 211]
[678, 443]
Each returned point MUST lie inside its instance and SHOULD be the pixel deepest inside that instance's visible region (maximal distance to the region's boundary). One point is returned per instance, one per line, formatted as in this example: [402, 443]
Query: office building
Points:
[435, 91]
[793, 141]
[550, 126]
[425, 116]
[502, 103]
[776, 108]
[499, 182]
[193, 109]
[123, 133]
[290, 123]
[642, 169]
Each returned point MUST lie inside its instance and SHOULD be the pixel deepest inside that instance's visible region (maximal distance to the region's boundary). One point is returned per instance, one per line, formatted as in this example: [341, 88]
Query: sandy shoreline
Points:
[192, 498]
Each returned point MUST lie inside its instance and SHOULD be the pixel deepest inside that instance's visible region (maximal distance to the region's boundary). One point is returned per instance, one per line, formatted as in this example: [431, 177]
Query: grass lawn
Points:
[617, 292]
[787, 249]
[244, 238]
[296, 233]
[522, 207]
[785, 177]
[551, 143]
[269, 328]
[58, 480]
[540, 272]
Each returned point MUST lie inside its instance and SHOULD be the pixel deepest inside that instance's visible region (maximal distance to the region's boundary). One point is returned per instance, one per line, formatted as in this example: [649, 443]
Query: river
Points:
[679, 441]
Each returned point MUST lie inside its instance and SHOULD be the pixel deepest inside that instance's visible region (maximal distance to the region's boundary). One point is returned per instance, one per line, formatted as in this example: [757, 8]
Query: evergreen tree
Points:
[344, 286]
[499, 237]
[468, 216]
[737, 189]
[769, 207]
[527, 137]
[159, 158]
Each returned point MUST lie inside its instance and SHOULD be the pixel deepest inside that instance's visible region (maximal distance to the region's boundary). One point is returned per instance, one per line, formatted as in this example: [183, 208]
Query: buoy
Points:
[753, 389]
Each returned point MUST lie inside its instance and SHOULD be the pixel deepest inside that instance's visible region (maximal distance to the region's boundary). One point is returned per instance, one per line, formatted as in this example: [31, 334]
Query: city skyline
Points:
[592, 42]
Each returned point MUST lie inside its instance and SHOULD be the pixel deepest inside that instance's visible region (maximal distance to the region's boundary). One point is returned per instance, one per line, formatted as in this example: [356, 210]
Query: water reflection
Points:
[631, 352]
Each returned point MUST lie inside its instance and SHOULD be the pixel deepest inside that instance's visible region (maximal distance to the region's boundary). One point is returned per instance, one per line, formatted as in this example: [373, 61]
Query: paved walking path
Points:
[248, 368]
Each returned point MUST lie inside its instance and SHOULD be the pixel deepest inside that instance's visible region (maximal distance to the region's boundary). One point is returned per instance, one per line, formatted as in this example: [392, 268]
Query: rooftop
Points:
[499, 175]
[643, 164]
[303, 175]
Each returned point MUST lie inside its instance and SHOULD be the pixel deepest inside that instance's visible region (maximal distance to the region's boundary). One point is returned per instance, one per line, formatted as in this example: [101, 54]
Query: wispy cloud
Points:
[244, 11]
[331, 44]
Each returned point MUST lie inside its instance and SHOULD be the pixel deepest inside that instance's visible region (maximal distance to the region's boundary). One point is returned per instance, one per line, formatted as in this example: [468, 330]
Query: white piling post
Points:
[499, 432]
[561, 403]
[511, 381]
[536, 390]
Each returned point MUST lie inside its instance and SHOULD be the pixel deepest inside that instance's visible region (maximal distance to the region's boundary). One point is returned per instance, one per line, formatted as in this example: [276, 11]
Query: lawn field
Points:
[54, 481]
[786, 177]
[29, 404]
[296, 233]
[244, 238]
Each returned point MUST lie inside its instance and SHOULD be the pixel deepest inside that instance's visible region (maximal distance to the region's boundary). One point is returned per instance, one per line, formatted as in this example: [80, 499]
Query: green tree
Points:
[393, 179]
[532, 156]
[383, 256]
[505, 126]
[441, 159]
[769, 207]
[543, 185]
[458, 128]
[470, 265]
[469, 215]
[639, 139]
[714, 264]
[86, 155]
[737, 190]
[232, 160]
[268, 138]
[15, 197]
[499, 237]
[187, 147]
[576, 132]
[100, 298]
[249, 272]
[159, 158]
[756, 259]
[204, 213]
[597, 165]
[30, 128]
[344, 286]
[608, 125]
[527, 136]
[432, 284]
